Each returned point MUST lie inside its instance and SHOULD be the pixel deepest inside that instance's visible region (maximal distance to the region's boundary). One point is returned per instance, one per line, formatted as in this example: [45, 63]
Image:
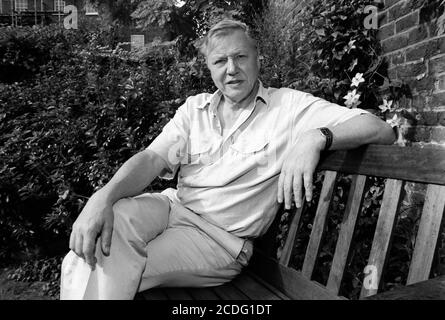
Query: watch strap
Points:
[328, 135]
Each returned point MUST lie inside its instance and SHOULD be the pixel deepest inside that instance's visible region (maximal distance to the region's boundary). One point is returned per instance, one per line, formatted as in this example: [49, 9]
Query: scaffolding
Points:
[39, 13]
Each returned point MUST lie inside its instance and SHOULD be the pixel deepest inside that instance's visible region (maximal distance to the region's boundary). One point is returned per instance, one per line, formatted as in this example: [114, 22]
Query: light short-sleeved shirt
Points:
[232, 182]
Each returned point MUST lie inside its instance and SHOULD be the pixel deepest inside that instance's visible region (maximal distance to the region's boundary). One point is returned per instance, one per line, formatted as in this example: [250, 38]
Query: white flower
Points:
[357, 80]
[352, 99]
[351, 45]
[386, 106]
[395, 121]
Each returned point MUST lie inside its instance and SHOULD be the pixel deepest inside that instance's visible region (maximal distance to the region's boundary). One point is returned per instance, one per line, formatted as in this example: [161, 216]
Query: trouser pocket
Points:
[245, 253]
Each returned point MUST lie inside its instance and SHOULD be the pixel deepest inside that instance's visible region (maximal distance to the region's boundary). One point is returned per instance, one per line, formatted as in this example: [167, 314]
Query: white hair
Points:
[223, 28]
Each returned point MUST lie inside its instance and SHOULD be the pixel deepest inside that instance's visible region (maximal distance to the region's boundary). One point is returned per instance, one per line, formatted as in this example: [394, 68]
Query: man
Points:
[240, 152]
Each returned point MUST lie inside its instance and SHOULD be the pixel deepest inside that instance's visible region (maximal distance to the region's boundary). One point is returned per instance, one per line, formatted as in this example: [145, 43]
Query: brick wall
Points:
[413, 41]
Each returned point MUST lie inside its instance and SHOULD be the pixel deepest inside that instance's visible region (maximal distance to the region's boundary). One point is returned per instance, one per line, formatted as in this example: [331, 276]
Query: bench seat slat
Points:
[177, 294]
[427, 235]
[433, 289]
[289, 281]
[346, 233]
[202, 294]
[229, 292]
[277, 292]
[383, 234]
[319, 224]
[154, 294]
[253, 289]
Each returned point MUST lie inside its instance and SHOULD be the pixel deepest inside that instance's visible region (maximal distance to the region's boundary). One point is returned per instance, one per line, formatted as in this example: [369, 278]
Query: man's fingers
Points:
[106, 238]
[297, 189]
[280, 187]
[89, 244]
[78, 246]
[73, 241]
[287, 188]
[308, 177]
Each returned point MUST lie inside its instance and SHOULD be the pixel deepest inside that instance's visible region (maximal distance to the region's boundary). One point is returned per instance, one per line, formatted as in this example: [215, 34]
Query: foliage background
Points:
[74, 107]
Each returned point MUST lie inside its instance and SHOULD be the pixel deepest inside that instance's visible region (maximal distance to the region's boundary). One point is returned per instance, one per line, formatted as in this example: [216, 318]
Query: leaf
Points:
[65, 195]
[321, 32]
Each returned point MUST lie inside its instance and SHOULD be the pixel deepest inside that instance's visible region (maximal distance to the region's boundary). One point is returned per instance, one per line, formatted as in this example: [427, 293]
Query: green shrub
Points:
[46, 271]
[66, 131]
[25, 49]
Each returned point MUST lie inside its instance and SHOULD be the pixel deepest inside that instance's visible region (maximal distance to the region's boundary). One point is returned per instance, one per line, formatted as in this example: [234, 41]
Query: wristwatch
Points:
[328, 135]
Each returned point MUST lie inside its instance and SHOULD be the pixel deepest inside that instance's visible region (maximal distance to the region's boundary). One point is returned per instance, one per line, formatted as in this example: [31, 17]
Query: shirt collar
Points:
[214, 99]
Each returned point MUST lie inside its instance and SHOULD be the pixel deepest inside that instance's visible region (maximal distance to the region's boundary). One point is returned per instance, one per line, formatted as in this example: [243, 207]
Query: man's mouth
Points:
[234, 82]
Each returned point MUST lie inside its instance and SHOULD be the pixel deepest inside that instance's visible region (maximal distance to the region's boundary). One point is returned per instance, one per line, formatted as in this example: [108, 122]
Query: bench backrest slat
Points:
[425, 165]
[319, 223]
[346, 233]
[427, 235]
[290, 239]
[382, 236]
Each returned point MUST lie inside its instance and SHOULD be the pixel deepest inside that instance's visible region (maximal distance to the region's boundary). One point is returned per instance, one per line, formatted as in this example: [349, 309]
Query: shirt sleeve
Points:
[171, 143]
[312, 112]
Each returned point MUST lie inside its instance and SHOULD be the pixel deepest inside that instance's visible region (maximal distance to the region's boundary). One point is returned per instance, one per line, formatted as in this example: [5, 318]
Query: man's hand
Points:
[96, 219]
[299, 167]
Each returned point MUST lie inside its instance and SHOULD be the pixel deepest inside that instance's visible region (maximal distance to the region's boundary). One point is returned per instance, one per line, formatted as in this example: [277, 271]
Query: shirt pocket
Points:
[250, 145]
[199, 150]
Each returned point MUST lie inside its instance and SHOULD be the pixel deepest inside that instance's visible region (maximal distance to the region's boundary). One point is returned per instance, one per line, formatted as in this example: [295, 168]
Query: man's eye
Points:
[219, 61]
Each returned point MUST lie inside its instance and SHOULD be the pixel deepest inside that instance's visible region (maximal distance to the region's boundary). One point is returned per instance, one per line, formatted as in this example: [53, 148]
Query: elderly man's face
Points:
[234, 65]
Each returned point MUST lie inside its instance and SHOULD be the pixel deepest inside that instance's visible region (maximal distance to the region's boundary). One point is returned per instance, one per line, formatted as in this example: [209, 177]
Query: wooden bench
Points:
[269, 278]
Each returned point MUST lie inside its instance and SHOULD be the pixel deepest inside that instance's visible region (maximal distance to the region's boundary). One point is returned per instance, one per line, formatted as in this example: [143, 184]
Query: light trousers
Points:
[156, 242]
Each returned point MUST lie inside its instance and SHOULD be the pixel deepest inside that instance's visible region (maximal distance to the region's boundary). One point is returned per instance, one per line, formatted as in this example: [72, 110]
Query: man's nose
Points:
[232, 68]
